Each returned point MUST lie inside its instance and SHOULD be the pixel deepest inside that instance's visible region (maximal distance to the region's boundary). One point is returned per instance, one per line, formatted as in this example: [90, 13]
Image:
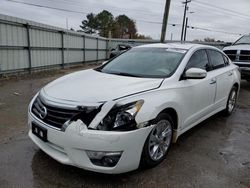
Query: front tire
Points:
[158, 142]
[231, 101]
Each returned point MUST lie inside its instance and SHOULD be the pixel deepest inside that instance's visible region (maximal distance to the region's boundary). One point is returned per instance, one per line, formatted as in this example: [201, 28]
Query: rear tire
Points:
[231, 101]
[158, 141]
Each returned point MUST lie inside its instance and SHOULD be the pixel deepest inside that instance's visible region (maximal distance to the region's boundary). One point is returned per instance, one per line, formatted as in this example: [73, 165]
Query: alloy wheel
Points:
[160, 139]
[232, 101]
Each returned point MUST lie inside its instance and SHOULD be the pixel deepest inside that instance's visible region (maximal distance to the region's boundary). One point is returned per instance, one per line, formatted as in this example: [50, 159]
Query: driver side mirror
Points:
[195, 73]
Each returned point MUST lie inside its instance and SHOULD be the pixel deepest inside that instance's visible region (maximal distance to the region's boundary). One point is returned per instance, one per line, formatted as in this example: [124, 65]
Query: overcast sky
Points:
[228, 16]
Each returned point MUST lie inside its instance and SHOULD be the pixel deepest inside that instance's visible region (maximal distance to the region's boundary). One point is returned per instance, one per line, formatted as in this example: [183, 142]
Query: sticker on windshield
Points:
[176, 50]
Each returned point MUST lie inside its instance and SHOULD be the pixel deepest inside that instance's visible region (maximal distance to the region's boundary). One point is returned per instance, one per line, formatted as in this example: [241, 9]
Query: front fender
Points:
[155, 102]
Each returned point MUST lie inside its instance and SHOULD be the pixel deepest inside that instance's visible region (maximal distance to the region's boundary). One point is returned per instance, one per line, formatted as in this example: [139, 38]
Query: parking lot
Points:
[215, 153]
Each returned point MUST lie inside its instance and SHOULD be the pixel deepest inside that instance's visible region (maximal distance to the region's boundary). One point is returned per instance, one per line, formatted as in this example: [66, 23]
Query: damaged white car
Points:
[127, 112]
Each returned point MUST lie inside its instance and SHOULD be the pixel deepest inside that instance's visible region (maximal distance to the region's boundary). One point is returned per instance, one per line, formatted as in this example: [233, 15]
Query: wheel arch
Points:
[237, 85]
[173, 113]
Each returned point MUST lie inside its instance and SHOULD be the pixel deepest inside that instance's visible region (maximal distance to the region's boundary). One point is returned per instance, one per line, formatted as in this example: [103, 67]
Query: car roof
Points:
[185, 46]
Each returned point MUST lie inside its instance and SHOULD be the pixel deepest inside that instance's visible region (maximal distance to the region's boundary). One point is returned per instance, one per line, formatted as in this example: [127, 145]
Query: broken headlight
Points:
[121, 117]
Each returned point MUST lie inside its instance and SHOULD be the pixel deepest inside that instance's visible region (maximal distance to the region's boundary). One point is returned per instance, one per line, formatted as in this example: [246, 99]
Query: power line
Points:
[229, 11]
[48, 7]
[76, 3]
[226, 11]
[151, 22]
[209, 11]
[81, 12]
[217, 31]
[192, 27]
[142, 1]
[69, 10]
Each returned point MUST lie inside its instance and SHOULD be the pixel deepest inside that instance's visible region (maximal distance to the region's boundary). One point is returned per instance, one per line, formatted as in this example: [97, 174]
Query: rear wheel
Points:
[158, 142]
[231, 102]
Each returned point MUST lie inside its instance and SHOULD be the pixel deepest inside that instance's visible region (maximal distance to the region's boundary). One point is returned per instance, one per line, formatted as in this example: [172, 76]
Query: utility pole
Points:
[184, 17]
[165, 21]
[186, 26]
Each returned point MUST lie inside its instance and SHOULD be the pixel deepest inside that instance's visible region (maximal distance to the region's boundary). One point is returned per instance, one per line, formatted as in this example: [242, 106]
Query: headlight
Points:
[121, 118]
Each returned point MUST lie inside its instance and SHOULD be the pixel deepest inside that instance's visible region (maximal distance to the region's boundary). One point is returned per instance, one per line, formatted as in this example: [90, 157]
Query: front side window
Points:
[216, 58]
[145, 62]
[199, 60]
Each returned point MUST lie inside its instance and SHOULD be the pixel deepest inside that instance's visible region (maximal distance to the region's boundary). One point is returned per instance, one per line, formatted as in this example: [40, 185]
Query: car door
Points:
[223, 75]
[198, 94]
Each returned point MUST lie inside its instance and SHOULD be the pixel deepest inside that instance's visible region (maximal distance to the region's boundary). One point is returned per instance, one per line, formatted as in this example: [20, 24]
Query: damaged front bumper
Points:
[73, 146]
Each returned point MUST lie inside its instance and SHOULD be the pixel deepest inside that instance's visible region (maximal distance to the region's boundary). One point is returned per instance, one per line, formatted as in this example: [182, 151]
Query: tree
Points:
[89, 26]
[121, 26]
[98, 24]
[124, 27]
[105, 22]
[140, 36]
[207, 39]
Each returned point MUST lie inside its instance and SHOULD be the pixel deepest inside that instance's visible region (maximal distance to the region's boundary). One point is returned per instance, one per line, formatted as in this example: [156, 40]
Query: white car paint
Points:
[194, 100]
[111, 86]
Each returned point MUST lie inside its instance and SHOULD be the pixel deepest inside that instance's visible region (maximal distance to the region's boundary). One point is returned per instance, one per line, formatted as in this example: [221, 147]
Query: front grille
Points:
[57, 116]
[231, 54]
[244, 55]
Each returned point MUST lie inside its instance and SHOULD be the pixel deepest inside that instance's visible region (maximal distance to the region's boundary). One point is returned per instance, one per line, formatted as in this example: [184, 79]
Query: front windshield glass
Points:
[146, 62]
[243, 40]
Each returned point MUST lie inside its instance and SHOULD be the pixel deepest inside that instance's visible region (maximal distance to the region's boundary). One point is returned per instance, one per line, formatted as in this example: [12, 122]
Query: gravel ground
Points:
[216, 153]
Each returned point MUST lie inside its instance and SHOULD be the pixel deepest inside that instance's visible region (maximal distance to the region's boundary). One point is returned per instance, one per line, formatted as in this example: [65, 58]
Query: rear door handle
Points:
[213, 81]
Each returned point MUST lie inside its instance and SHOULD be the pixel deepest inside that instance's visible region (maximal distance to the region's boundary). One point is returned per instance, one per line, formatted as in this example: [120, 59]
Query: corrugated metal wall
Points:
[27, 45]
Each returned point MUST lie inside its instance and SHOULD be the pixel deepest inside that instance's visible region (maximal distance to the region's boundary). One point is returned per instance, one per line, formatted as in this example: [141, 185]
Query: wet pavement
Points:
[216, 153]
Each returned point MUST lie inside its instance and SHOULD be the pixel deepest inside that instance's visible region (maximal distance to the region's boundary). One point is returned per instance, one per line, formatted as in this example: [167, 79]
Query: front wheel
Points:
[158, 142]
[231, 102]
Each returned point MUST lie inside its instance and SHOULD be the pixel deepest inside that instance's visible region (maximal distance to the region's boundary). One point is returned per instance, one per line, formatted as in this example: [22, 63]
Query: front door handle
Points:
[230, 73]
[213, 81]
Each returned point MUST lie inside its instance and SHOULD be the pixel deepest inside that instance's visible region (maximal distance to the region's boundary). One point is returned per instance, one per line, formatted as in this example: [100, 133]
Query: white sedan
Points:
[127, 112]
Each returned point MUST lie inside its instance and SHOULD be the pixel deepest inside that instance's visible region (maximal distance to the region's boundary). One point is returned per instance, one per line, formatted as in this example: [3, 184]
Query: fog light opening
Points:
[106, 159]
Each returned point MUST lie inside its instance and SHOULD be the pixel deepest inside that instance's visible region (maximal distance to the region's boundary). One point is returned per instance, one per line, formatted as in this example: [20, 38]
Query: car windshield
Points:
[145, 62]
[243, 40]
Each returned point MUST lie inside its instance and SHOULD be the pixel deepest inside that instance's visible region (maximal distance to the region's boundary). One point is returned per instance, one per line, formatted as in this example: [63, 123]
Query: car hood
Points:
[238, 47]
[92, 86]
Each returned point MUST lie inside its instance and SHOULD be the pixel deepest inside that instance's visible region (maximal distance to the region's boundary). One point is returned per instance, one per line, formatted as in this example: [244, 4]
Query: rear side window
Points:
[217, 59]
[199, 60]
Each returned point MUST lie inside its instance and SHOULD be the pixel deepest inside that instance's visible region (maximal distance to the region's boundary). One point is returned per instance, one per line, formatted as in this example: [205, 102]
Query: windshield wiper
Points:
[127, 74]
[241, 43]
[123, 74]
[99, 69]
